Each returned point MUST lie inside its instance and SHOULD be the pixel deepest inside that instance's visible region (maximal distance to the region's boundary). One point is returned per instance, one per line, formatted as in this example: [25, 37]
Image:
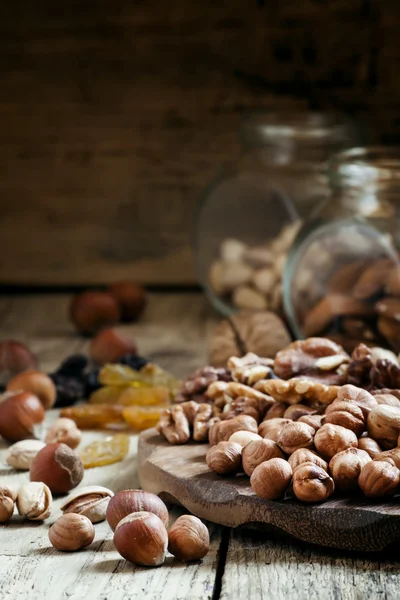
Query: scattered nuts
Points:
[314, 421]
[188, 539]
[133, 501]
[109, 345]
[347, 414]
[295, 411]
[276, 411]
[225, 458]
[271, 479]
[311, 483]
[19, 413]
[393, 455]
[59, 467]
[303, 455]
[363, 399]
[37, 383]
[141, 538]
[90, 501]
[221, 431]
[34, 501]
[345, 468]
[379, 478]
[295, 435]
[7, 501]
[257, 452]
[370, 446]
[64, 431]
[14, 358]
[91, 311]
[21, 454]
[383, 425]
[71, 532]
[244, 437]
[131, 298]
[272, 428]
[331, 439]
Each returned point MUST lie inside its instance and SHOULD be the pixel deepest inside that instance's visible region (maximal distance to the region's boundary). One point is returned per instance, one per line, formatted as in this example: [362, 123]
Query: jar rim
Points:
[363, 166]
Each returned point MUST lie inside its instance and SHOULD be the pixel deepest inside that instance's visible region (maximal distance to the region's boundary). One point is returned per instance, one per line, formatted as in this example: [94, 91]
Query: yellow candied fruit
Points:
[142, 417]
[117, 374]
[130, 396]
[109, 394]
[94, 416]
[105, 452]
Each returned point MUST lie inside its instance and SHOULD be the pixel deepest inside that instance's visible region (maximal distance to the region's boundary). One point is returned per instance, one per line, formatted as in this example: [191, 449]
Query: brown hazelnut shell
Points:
[109, 345]
[257, 452]
[132, 501]
[142, 538]
[271, 479]
[92, 311]
[19, 414]
[71, 532]
[379, 478]
[15, 357]
[345, 468]
[36, 382]
[188, 539]
[131, 298]
[311, 483]
[59, 467]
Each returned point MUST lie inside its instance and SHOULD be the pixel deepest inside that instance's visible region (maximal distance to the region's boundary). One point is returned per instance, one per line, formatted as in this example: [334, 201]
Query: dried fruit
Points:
[131, 298]
[37, 383]
[106, 451]
[15, 357]
[142, 417]
[91, 311]
[110, 345]
[94, 416]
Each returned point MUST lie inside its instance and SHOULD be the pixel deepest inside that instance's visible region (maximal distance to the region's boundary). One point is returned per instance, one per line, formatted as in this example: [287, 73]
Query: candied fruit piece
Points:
[142, 417]
[107, 451]
[94, 416]
[117, 374]
[154, 396]
[109, 394]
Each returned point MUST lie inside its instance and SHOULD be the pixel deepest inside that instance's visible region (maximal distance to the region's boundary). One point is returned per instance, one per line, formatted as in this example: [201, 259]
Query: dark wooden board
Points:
[180, 474]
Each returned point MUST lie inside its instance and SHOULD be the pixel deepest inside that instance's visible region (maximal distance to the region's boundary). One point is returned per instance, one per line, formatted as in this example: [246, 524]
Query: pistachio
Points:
[90, 501]
[20, 455]
[34, 501]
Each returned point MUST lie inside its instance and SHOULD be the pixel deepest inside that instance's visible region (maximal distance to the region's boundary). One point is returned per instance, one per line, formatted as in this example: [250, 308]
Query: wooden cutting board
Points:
[180, 475]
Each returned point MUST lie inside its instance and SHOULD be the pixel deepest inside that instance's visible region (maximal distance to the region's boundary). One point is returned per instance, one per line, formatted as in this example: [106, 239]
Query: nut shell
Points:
[271, 479]
[378, 479]
[295, 411]
[294, 436]
[311, 483]
[90, 501]
[345, 468]
[370, 446]
[225, 458]
[34, 501]
[384, 425]
[244, 437]
[64, 431]
[347, 414]
[393, 454]
[142, 538]
[37, 383]
[19, 413]
[132, 501]
[331, 439]
[21, 454]
[59, 467]
[131, 298]
[91, 311]
[221, 431]
[14, 358]
[7, 501]
[71, 532]
[188, 539]
[257, 452]
[109, 345]
[272, 428]
[303, 455]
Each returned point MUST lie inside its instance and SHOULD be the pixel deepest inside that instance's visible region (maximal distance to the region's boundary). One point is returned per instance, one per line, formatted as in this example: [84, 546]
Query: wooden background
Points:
[115, 115]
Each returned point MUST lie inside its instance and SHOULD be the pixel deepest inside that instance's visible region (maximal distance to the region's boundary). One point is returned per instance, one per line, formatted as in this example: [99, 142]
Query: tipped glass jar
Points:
[342, 278]
[250, 215]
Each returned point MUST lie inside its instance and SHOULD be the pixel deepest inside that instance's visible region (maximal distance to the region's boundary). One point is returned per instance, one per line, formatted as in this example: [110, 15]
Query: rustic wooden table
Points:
[240, 564]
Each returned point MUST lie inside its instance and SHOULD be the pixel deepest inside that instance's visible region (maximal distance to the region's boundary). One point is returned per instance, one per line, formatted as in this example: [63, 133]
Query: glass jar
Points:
[250, 215]
[342, 277]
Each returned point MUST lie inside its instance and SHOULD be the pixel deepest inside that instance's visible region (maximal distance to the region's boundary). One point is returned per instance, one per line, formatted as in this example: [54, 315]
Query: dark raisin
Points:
[133, 361]
[69, 390]
[73, 366]
[91, 381]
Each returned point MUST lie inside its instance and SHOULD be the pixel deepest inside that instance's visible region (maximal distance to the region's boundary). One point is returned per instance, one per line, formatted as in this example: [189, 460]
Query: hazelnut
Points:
[295, 435]
[295, 411]
[142, 538]
[133, 501]
[311, 483]
[221, 431]
[393, 454]
[34, 501]
[19, 413]
[272, 428]
[14, 358]
[314, 421]
[370, 446]
[64, 431]
[303, 455]
[379, 478]
[387, 399]
[109, 345]
[275, 411]
[384, 425]
[21, 454]
[345, 468]
[91, 311]
[244, 437]
[271, 479]
[347, 414]
[257, 452]
[71, 532]
[331, 439]
[90, 501]
[37, 383]
[225, 458]
[7, 501]
[356, 395]
[59, 467]
[188, 539]
[131, 298]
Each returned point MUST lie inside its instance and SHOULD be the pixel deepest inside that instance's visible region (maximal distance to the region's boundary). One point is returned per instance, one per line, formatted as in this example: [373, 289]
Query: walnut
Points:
[255, 407]
[298, 390]
[221, 431]
[295, 435]
[385, 374]
[261, 332]
[250, 369]
[345, 468]
[177, 422]
[331, 439]
[195, 386]
[358, 372]
[202, 423]
[225, 394]
[347, 414]
[373, 368]
[312, 358]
